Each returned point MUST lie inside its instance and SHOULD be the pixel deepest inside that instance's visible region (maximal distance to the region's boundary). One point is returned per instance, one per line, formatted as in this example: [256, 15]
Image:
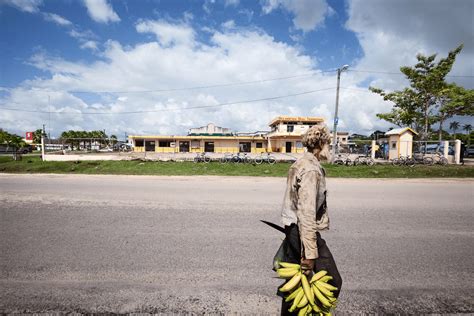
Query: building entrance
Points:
[183, 147]
[149, 145]
[288, 147]
[209, 147]
[244, 147]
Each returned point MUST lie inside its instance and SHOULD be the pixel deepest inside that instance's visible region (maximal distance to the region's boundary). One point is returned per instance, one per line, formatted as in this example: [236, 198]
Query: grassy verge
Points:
[35, 165]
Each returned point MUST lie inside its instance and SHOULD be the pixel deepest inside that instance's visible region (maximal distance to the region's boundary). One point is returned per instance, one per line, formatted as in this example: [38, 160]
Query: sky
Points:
[161, 67]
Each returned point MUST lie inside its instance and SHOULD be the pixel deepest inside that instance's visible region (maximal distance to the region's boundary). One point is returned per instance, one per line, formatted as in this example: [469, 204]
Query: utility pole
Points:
[336, 118]
[43, 133]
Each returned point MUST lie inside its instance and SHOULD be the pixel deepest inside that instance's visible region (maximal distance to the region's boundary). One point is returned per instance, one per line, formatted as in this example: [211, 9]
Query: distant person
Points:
[462, 153]
[304, 211]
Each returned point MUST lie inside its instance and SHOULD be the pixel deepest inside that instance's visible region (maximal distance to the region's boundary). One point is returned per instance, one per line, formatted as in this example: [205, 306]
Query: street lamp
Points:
[336, 119]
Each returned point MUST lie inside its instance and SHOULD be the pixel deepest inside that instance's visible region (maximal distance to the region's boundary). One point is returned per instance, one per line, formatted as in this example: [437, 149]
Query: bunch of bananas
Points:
[313, 297]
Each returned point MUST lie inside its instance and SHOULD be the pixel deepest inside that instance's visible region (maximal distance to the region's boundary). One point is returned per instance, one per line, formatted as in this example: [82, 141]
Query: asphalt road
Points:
[195, 244]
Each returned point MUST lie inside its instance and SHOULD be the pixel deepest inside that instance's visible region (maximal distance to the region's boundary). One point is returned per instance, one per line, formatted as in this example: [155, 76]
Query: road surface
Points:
[195, 244]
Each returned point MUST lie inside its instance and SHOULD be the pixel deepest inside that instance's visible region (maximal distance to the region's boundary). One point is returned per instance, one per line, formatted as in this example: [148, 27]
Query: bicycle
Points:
[226, 158]
[439, 159]
[364, 160]
[201, 157]
[343, 160]
[265, 158]
[238, 158]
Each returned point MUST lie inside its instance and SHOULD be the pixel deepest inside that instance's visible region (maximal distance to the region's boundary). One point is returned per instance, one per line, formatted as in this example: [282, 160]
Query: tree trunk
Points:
[440, 131]
[426, 119]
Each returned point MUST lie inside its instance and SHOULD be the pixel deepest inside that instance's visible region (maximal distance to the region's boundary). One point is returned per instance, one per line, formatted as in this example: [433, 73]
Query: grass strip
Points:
[33, 164]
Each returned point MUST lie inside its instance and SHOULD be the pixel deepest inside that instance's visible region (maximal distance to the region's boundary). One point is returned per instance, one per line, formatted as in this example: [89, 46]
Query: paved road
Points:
[195, 244]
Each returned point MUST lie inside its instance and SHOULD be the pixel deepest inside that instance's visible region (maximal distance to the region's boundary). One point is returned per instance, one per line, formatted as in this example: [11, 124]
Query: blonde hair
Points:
[316, 137]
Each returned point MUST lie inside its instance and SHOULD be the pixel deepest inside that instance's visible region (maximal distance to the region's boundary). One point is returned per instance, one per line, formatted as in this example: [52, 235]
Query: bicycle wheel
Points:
[410, 162]
[443, 161]
[357, 161]
[348, 162]
[271, 160]
[258, 160]
[207, 159]
[395, 162]
[196, 159]
[338, 162]
[428, 161]
[370, 161]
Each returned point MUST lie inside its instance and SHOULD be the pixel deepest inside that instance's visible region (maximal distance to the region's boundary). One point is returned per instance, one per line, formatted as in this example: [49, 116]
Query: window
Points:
[299, 145]
[139, 142]
[394, 145]
[195, 144]
[259, 145]
[244, 147]
[290, 128]
[164, 143]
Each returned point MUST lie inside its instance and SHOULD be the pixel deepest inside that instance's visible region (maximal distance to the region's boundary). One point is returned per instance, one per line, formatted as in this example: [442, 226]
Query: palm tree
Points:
[454, 126]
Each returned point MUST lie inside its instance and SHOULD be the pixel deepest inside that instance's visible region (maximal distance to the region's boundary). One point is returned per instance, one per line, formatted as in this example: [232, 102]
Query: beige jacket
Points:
[304, 196]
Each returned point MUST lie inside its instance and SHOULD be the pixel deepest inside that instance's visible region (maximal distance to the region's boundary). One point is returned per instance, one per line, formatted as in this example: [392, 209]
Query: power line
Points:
[399, 73]
[170, 110]
[219, 85]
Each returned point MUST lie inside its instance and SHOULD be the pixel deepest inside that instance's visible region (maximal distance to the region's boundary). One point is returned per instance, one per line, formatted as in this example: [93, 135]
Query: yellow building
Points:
[284, 137]
[401, 142]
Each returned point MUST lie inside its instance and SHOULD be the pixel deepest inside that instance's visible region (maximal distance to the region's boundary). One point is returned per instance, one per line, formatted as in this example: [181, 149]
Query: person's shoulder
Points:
[305, 164]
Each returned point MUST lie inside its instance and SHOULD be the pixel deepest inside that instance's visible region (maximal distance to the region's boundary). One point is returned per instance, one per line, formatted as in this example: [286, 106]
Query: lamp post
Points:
[334, 141]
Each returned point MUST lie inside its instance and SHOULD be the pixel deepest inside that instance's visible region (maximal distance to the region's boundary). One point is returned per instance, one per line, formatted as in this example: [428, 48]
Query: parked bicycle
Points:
[343, 160]
[364, 160]
[439, 159]
[265, 158]
[241, 158]
[226, 158]
[202, 157]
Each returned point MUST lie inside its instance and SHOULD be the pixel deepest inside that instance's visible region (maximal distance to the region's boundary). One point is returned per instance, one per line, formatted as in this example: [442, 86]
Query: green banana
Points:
[324, 290]
[293, 294]
[318, 275]
[307, 289]
[321, 297]
[292, 283]
[287, 272]
[289, 265]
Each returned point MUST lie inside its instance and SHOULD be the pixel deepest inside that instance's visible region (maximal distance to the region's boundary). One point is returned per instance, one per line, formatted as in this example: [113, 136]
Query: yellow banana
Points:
[321, 297]
[292, 283]
[287, 272]
[304, 310]
[290, 265]
[303, 302]
[327, 286]
[296, 301]
[307, 289]
[326, 278]
[324, 290]
[316, 308]
[318, 275]
[293, 294]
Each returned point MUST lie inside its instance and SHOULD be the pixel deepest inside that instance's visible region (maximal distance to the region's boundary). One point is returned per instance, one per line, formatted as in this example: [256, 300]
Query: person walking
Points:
[304, 212]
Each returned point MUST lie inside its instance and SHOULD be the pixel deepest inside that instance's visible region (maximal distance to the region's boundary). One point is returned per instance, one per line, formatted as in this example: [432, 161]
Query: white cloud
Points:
[230, 24]
[92, 45]
[101, 11]
[308, 14]
[52, 17]
[167, 33]
[30, 6]
[233, 3]
[207, 5]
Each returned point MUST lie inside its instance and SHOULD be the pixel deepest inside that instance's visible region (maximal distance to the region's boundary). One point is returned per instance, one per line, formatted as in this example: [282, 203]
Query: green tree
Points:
[37, 136]
[12, 141]
[467, 128]
[454, 126]
[454, 100]
[415, 106]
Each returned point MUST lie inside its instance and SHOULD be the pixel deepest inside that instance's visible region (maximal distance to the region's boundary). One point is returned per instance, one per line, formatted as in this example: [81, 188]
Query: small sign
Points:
[336, 120]
[29, 136]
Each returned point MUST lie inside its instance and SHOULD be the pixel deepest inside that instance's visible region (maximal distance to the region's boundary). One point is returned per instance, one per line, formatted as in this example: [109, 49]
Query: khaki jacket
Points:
[306, 194]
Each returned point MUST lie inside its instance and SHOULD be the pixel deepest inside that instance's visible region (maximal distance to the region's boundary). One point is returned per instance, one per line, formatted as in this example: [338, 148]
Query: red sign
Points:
[29, 136]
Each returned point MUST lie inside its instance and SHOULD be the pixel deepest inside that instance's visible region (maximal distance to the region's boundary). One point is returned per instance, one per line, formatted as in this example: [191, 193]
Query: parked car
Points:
[469, 151]
[434, 148]
[4, 149]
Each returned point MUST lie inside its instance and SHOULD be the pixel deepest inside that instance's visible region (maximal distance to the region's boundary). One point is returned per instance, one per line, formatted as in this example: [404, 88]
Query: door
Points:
[183, 147]
[244, 147]
[150, 145]
[288, 147]
[209, 147]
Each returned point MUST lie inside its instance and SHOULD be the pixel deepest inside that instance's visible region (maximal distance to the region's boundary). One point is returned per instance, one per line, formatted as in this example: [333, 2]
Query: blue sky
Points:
[118, 53]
